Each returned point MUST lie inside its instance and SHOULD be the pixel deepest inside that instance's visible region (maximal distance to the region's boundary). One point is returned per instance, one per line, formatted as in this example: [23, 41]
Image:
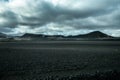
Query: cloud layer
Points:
[59, 16]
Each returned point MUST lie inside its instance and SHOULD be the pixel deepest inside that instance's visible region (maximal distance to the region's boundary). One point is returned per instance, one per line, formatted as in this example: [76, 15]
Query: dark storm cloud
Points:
[110, 20]
[9, 19]
[47, 13]
[60, 16]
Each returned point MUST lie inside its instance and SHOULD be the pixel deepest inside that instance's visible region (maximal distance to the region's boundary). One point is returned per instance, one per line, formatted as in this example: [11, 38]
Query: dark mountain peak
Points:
[97, 34]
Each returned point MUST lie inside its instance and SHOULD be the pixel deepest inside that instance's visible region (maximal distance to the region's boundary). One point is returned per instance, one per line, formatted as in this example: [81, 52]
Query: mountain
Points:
[95, 34]
[98, 34]
[29, 35]
[3, 35]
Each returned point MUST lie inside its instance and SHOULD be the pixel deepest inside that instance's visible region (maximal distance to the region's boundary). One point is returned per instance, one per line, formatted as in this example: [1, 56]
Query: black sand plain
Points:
[60, 60]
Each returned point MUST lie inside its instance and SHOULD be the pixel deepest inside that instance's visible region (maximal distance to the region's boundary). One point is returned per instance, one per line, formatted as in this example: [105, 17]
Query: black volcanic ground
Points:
[60, 60]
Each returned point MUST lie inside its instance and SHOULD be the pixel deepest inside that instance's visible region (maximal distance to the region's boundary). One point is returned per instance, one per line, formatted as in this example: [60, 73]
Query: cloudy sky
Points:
[59, 17]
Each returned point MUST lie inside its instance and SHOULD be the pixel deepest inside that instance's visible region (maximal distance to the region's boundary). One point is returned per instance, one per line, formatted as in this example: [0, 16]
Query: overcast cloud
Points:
[65, 17]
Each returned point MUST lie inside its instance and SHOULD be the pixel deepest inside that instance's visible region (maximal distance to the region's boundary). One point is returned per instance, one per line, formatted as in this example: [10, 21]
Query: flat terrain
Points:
[57, 59]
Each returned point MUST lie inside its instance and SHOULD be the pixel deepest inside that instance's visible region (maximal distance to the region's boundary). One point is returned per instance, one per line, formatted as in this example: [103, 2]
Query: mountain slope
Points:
[95, 34]
[29, 35]
[2, 35]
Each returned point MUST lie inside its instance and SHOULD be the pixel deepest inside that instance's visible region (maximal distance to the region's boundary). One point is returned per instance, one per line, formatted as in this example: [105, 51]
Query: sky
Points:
[60, 17]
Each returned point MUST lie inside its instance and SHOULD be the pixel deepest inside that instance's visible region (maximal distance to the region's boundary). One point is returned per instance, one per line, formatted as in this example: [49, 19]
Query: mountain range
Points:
[95, 34]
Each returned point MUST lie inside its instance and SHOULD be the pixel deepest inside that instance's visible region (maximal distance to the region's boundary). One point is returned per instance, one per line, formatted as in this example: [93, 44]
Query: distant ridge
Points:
[3, 35]
[29, 35]
[95, 34]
